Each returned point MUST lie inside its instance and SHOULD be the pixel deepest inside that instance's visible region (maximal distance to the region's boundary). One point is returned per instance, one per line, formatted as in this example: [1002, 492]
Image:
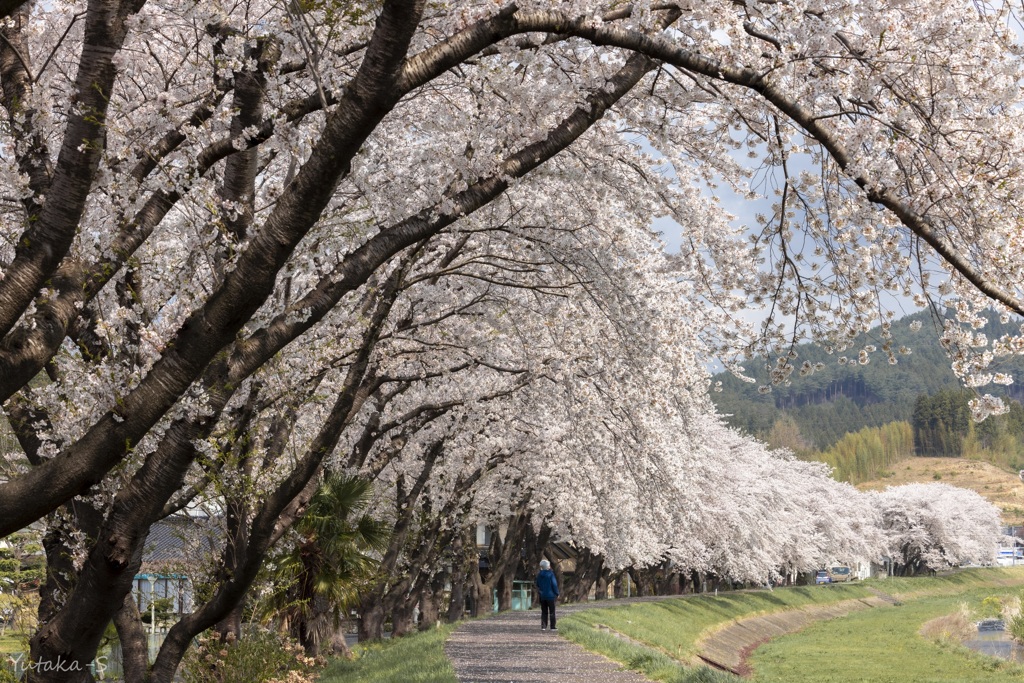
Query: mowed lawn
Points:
[674, 625]
[11, 642]
[877, 645]
[417, 658]
[881, 646]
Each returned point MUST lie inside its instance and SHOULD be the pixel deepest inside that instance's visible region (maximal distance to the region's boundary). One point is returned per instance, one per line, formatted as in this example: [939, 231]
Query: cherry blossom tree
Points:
[936, 526]
[211, 207]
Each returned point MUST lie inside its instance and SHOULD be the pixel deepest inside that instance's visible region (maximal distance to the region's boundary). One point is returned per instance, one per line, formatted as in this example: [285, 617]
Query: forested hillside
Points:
[816, 411]
[869, 453]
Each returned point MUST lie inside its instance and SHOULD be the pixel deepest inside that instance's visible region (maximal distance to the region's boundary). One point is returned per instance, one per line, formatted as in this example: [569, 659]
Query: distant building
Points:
[174, 548]
[1011, 547]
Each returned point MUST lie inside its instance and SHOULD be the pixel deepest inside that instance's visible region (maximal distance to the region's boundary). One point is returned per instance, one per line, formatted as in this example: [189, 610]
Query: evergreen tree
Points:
[320, 574]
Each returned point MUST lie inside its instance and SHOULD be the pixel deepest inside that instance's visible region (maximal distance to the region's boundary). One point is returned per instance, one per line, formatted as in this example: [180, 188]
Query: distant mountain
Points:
[843, 398]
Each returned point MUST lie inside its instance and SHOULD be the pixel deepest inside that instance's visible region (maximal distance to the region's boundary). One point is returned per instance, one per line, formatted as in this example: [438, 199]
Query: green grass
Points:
[653, 664]
[959, 581]
[881, 646]
[418, 658]
[669, 629]
[12, 642]
[673, 626]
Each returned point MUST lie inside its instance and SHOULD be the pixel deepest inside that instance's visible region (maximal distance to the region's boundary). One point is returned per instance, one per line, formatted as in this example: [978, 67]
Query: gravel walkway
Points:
[511, 648]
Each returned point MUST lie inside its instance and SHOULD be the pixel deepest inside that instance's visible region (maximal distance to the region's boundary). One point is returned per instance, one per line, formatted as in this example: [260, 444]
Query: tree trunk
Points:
[402, 616]
[601, 586]
[430, 602]
[559, 577]
[669, 584]
[339, 643]
[66, 646]
[303, 630]
[479, 595]
[371, 621]
[504, 588]
[237, 520]
[134, 643]
[641, 581]
[457, 601]
[588, 570]
[230, 627]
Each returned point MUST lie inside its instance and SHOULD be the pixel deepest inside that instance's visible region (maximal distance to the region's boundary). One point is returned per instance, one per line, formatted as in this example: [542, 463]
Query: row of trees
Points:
[943, 427]
[933, 526]
[251, 243]
[774, 519]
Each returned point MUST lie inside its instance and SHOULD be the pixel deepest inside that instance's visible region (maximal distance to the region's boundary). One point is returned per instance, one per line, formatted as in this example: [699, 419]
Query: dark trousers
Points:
[547, 607]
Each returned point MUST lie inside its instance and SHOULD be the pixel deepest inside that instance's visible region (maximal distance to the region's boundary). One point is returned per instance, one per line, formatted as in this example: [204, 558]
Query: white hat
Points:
[544, 564]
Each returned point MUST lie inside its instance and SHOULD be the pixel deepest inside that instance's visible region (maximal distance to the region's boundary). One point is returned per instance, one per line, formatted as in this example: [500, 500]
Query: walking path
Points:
[511, 648]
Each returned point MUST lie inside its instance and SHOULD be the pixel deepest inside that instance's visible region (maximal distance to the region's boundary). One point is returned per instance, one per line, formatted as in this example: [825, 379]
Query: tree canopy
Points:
[242, 241]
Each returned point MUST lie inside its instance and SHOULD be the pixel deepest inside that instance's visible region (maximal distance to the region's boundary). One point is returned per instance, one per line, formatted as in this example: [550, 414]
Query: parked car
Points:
[822, 577]
[840, 574]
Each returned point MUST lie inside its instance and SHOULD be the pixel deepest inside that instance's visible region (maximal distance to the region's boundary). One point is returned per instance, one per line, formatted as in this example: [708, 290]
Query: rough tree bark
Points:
[601, 586]
[465, 561]
[431, 599]
[134, 642]
[589, 569]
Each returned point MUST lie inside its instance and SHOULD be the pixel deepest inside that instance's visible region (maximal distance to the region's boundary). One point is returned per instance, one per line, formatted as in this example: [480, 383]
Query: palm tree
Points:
[318, 578]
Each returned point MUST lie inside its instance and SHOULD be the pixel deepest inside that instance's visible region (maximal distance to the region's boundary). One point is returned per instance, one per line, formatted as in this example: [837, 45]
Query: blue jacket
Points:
[547, 584]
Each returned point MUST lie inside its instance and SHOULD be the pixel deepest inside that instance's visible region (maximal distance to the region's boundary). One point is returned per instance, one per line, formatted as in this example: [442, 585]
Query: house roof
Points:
[179, 540]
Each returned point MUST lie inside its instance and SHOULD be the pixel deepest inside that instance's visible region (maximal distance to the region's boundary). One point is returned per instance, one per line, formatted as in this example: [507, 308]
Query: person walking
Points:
[547, 586]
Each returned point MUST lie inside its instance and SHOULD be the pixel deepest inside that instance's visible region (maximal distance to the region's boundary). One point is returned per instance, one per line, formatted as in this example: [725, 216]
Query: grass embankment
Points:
[673, 626]
[652, 663]
[881, 646]
[907, 588]
[417, 658]
[12, 642]
[668, 631]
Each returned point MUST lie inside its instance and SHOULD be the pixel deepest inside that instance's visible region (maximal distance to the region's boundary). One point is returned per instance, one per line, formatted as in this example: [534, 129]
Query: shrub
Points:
[1016, 627]
[991, 607]
[260, 656]
[1013, 615]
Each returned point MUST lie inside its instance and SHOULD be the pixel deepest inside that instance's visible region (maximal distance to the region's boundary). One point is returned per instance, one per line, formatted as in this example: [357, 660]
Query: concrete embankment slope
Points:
[728, 647]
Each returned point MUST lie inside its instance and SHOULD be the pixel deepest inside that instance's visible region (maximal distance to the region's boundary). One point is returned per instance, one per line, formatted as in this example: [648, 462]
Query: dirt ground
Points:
[1003, 489]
